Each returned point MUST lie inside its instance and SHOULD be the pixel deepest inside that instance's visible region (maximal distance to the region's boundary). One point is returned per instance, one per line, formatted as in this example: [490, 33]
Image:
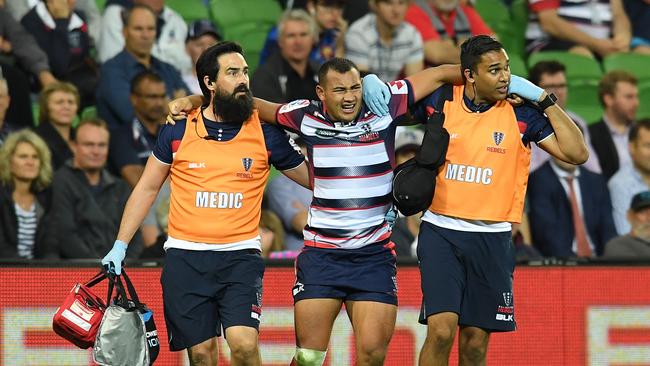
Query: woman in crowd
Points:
[25, 177]
[59, 103]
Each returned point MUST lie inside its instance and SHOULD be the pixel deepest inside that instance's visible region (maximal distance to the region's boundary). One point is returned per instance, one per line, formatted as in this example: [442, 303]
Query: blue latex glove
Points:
[376, 94]
[391, 216]
[524, 88]
[113, 260]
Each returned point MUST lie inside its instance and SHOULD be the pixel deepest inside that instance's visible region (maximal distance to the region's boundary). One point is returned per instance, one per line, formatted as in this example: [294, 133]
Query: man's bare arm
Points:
[299, 174]
[267, 110]
[428, 80]
[567, 144]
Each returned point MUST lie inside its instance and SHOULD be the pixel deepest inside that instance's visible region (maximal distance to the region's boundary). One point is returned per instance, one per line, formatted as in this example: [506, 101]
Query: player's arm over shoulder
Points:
[285, 155]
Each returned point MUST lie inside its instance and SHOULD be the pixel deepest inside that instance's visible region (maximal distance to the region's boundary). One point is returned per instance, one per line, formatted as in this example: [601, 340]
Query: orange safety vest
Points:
[217, 186]
[486, 170]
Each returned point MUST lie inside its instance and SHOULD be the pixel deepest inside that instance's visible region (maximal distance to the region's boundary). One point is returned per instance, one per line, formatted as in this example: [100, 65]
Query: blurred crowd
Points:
[84, 87]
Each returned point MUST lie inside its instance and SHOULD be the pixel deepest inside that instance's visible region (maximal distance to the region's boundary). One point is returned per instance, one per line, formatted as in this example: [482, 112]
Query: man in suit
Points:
[619, 96]
[550, 191]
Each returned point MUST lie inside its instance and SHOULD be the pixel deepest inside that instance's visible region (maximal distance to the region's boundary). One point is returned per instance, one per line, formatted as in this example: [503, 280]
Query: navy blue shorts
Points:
[205, 291]
[364, 274]
[467, 273]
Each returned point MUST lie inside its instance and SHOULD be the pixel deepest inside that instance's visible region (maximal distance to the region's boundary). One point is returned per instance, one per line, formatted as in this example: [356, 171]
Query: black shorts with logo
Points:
[363, 274]
[205, 291]
[468, 273]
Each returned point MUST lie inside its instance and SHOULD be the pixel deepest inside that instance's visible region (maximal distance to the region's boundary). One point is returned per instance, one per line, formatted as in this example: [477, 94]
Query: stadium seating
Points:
[644, 99]
[190, 10]
[518, 65]
[494, 13]
[583, 100]
[246, 22]
[515, 39]
[634, 63]
[578, 68]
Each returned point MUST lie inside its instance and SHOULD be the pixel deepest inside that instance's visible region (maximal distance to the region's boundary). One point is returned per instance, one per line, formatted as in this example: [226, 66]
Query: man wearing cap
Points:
[636, 244]
[200, 35]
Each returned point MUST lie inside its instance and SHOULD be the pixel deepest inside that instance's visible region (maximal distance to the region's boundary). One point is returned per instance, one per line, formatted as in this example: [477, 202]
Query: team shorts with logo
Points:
[205, 291]
[468, 273]
[363, 274]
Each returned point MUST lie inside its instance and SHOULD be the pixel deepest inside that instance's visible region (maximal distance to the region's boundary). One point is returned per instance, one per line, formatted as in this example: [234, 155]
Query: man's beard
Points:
[231, 108]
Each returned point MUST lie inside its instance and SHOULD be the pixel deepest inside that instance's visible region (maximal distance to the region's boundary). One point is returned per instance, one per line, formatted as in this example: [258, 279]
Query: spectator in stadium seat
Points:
[201, 35]
[406, 228]
[551, 76]
[556, 229]
[591, 28]
[290, 202]
[86, 8]
[63, 35]
[636, 244]
[25, 197]
[382, 43]
[289, 74]
[5, 126]
[59, 103]
[632, 178]
[20, 56]
[328, 15]
[113, 104]
[639, 13]
[132, 143]
[619, 96]
[87, 199]
[444, 25]
[271, 233]
[169, 43]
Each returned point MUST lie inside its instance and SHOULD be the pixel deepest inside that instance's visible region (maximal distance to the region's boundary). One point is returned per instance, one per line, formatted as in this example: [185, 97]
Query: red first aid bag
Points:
[78, 318]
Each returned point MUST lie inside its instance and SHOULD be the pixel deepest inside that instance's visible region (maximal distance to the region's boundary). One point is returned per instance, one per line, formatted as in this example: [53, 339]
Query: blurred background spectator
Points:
[6, 126]
[113, 104]
[636, 244]
[639, 13]
[87, 199]
[383, 43]
[289, 74]
[271, 233]
[290, 201]
[201, 35]
[444, 25]
[587, 27]
[633, 178]
[25, 198]
[59, 103]
[619, 96]
[63, 35]
[551, 76]
[169, 42]
[131, 144]
[328, 15]
[574, 202]
[87, 9]
[20, 58]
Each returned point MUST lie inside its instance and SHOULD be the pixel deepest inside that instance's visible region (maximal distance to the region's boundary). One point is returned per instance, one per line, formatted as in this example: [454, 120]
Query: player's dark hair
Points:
[473, 48]
[207, 64]
[551, 67]
[146, 75]
[338, 64]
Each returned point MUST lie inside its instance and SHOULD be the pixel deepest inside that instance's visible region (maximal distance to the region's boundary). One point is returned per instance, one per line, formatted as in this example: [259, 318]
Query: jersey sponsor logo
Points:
[398, 87]
[193, 165]
[296, 104]
[506, 317]
[247, 163]
[219, 199]
[326, 134]
[298, 288]
[469, 174]
[498, 137]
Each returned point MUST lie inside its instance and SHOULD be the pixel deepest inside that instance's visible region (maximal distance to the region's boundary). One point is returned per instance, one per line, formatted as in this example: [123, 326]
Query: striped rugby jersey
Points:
[351, 170]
